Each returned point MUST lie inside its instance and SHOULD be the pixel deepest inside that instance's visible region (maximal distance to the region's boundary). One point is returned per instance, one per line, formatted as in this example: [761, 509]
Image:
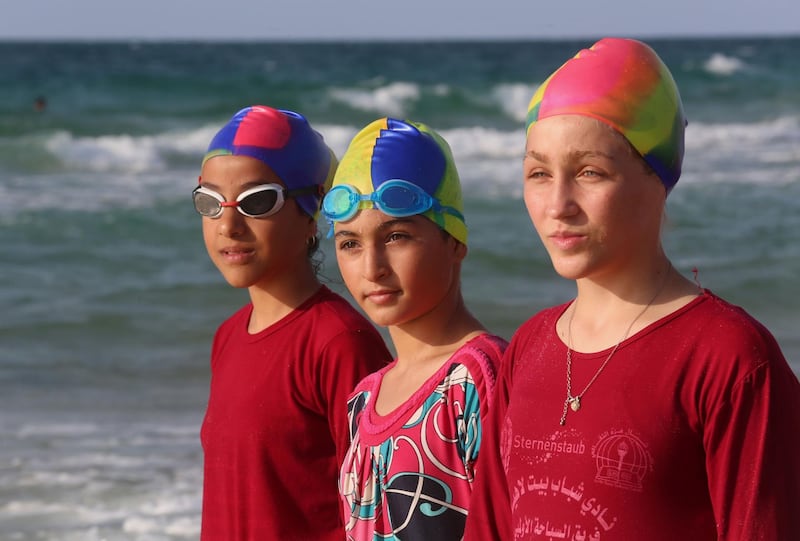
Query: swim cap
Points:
[623, 83]
[391, 149]
[284, 141]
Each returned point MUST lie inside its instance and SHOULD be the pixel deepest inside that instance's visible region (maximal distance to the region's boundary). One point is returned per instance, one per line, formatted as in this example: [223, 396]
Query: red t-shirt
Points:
[275, 430]
[692, 431]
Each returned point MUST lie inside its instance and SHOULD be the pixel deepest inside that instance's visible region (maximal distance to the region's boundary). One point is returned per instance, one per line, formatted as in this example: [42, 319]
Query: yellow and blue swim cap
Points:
[286, 143]
[402, 168]
[624, 84]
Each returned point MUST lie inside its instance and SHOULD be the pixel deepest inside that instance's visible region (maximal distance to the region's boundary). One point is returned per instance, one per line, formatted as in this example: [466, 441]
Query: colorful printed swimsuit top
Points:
[408, 475]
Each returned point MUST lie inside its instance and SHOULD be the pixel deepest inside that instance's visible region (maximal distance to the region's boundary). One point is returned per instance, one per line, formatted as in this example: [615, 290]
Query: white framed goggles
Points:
[257, 202]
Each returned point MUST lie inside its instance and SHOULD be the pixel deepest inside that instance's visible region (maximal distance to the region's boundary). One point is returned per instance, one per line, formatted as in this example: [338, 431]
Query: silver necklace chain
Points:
[574, 402]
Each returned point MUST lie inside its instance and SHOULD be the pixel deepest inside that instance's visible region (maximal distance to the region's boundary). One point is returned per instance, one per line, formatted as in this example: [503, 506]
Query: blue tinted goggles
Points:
[398, 198]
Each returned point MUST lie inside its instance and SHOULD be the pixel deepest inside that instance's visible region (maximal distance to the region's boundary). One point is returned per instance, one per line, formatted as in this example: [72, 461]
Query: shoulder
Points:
[370, 383]
[539, 327]
[728, 330]
[335, 318]
[236, 323]
[481, 355]
[337, 311]
[718, 351]
[546, 317]
[472, 370]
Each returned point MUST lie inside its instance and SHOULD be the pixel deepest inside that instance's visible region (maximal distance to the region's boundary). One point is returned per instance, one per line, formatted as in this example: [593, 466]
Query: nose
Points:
[561, 199]
[375, 264]
[231, 223]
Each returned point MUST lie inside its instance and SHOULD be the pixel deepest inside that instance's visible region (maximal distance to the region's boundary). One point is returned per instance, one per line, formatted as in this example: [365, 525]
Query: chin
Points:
[238, 281]
[569, 270]
[380, 320]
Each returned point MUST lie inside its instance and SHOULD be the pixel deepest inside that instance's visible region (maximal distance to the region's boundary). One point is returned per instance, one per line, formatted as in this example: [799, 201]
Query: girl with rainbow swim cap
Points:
[275, 429]
[396, 216]
[647, 407]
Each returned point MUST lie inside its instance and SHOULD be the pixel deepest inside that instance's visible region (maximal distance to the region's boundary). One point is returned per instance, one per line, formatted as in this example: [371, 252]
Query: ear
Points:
[459, 249]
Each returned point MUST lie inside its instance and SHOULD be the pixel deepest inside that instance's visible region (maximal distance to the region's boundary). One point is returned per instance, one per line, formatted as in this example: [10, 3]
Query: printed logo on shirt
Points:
[591, 517]
[538, 451]
[622, 460]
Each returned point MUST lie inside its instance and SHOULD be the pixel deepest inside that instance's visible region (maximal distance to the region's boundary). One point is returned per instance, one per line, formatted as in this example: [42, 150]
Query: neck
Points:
[436, 335]
[279, 296]
[603, 314]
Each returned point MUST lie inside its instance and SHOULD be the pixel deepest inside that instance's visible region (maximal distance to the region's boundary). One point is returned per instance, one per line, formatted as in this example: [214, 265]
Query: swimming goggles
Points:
[257, 202]
[398, 198]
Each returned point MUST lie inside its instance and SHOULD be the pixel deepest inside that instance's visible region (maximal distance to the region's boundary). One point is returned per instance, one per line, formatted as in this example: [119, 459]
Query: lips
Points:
[236, 255]
[382, 296]
[566, 240]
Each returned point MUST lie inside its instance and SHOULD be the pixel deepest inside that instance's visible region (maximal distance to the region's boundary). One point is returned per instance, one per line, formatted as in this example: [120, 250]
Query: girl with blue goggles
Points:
[400, 259]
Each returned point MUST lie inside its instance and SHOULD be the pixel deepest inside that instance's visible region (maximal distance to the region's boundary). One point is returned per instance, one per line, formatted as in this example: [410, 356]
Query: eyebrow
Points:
[245, 186]
[388, 224]
[573, 155]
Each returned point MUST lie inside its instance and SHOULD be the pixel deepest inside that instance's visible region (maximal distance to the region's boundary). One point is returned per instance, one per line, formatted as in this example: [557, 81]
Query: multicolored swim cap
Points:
[623, 83]
[391, 149]
[285, 141]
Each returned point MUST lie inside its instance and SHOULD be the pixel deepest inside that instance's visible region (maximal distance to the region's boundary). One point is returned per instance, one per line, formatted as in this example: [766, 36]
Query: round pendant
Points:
[575, 403]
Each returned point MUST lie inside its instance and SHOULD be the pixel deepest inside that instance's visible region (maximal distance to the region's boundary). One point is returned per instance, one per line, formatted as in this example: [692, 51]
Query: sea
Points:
[108, 300]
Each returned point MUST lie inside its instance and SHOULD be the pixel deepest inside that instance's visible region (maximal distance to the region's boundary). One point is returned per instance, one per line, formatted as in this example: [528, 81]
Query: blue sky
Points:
[398, 19]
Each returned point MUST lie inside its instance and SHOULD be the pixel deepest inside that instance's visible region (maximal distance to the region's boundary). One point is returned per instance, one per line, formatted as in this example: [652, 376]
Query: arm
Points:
[481, 361]
[752, 442]
[489, 515]
[348, 358]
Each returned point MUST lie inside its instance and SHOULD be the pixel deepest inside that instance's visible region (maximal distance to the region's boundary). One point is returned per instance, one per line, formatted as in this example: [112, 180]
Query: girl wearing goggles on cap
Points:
[396, 216]
[275, 429]
[646, 408]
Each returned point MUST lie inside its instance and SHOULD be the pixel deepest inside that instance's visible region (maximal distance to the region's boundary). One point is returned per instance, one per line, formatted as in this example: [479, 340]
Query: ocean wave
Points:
[389, 100]
[124, 152]
[513, 99]
[127, 171]
[722, 64]
[761, 134]
[765, 152]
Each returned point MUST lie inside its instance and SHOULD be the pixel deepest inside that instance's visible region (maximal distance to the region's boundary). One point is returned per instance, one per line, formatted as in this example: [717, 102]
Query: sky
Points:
[391, 20]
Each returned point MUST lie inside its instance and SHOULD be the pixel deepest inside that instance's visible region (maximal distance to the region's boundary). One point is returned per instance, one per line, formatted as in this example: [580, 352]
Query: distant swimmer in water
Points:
[39, 104]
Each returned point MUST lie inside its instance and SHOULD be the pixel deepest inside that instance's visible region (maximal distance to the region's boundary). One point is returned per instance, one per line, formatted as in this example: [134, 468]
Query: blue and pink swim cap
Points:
[286, 143]
[624, 84]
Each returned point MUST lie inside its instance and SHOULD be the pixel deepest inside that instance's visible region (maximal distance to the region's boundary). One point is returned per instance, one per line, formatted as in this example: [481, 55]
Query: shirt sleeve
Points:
[481, 362]
[752, 440]
[348, 358]
[489, 515]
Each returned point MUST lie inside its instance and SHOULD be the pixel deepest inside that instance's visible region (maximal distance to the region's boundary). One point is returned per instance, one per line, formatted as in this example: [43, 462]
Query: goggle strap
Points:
[316, 189]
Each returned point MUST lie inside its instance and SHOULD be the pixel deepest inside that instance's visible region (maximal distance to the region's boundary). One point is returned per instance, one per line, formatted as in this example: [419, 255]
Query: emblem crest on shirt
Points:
[622, 460]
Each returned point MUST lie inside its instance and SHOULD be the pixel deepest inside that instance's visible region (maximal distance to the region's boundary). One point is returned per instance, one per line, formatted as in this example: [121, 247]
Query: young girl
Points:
[400, 238]
[648, 407]
[282, 367]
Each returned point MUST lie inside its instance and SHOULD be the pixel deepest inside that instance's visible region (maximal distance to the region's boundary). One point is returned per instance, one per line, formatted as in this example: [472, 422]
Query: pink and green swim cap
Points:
[286, 143]
[623, 83]
[388, 149]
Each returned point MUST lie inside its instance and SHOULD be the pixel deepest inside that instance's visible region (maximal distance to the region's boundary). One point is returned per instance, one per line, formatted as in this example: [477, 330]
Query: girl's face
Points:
[252, 251]
[595, 206]
[397, 269]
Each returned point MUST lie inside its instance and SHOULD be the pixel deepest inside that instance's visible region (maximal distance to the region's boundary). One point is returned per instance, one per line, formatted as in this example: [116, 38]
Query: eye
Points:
[592, 173]
[537, 175]
[396, 236]
[347, 245]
